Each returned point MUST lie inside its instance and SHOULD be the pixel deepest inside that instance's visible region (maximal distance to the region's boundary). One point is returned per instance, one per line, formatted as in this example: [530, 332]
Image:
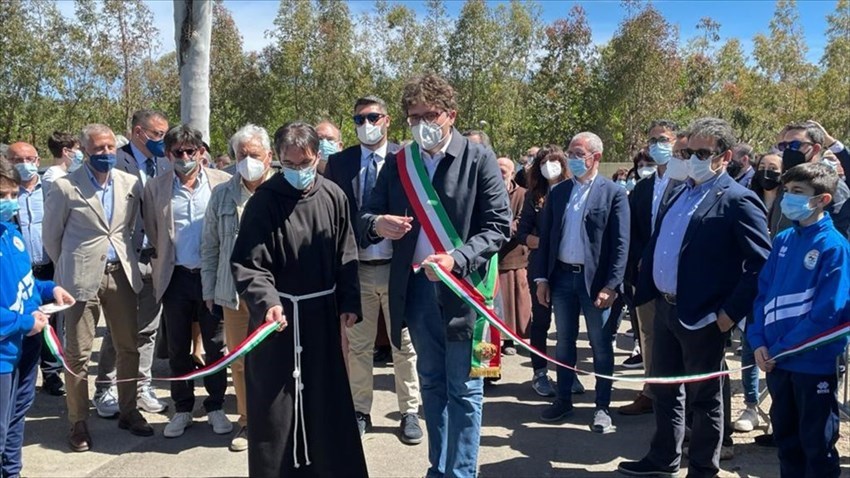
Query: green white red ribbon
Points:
[254, 339]
[474, 299]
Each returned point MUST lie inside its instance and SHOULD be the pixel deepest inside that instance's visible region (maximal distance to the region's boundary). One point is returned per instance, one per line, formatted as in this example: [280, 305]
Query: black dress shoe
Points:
[136, 423]
[53, 386]
[645, 468]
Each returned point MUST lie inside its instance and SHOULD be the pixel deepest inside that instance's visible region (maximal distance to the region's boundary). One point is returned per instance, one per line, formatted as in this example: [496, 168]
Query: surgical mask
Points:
[102, 163]
[791, 158]
[185, 167]
[630, 184]
[8, 208]
[621, 183]
[427, 135]
[551, 169]
[578, 167]
[699, 170]
[251, 169]
[796, 206]
[369, 134]
[299, 178]
[768, 179]
[157, 148]
[677, 169]
[326, 149]
[27, 171]
[734, 168]
[661, 153]
[76, 161]
[645, 171]
[831, 163]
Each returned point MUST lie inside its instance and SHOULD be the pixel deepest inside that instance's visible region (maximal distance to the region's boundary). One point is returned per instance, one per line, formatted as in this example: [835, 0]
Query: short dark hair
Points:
[819, 176]
[814, 133]
[371, 100]
[485, 140]
[715, 128]
[9, 173]
[296, 133]
[143, 116]
[429, 89]
[183, 134]
[666, 124]
[59, 140]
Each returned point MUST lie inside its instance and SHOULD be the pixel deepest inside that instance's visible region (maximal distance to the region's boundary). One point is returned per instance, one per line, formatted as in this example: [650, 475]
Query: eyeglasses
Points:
[429, 117]
[660, 139]
[372, 117]
[702, 154]
[23, 159]
[155, 136]
[180, 152]
[792, 145]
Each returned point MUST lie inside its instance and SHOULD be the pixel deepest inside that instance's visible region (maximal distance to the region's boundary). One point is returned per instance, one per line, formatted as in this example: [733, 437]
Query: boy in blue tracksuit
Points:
[20, 296]
[804, 290]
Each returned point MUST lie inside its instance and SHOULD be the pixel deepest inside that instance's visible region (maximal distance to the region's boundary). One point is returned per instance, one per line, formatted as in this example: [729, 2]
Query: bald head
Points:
[21, 150]
[506, 166]
[327, 130]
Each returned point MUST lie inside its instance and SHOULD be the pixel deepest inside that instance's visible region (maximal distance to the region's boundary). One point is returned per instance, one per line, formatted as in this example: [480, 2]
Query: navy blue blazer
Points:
[724, 248]
[606, 234]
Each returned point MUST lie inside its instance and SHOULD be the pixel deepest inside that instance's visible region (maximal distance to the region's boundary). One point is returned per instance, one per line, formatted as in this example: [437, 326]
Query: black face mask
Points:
[734, 169]
[768, 179]
[791, 158]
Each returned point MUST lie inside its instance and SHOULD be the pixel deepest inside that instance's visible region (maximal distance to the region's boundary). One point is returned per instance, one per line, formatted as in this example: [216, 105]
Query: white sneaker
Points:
[219, 422]
[748, 420]
[178, 425]
[148, 401]
[106, 403]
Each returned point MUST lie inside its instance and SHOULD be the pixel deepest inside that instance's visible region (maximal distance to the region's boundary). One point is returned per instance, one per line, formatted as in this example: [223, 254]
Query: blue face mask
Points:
[76, 161]
[577, 166]
[8, 208]
[621, 183]
[102, 163]
[796, 206]
[157, 148]
[27, 171]
[299, 178]
[630, 184]
[661, 153]
[326, 148]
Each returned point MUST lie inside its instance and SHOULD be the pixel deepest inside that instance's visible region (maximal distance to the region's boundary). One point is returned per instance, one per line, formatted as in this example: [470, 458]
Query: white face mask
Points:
[677, 169]
[645, 171]
[251, 169]
[700, 171]
[428, 135]
[369, 134]
[551, 169]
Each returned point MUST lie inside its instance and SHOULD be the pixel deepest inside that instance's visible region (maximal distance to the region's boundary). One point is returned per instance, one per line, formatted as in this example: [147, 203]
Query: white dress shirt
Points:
[657, 193]
[423, 245]
[571, 248]
[384, 249]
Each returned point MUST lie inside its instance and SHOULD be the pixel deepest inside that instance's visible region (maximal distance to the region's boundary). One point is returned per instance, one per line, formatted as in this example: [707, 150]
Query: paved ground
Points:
[513, 444]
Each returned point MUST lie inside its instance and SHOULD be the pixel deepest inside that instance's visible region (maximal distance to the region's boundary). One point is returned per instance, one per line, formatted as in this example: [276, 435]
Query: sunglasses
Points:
[372, 117]
[702, 154]
[178, 153]
[792, 145]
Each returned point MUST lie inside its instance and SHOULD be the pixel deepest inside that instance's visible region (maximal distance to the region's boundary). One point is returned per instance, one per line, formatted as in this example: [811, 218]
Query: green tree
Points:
[831, 98]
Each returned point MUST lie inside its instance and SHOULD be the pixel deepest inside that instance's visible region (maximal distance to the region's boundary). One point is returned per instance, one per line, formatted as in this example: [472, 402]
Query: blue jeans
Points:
[749, 377]
[451, 400]
[25, 376]
[569, 298]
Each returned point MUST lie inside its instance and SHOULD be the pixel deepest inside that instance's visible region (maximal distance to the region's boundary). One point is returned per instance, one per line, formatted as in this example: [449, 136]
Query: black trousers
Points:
[541, 320]
[51, 367]
[183, 303]
[804, 413]
[680, 351]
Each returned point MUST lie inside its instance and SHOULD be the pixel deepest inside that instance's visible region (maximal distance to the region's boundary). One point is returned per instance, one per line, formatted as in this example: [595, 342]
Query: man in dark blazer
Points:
[355, 171]
[581, 263]
[701, 267]
[468, 182]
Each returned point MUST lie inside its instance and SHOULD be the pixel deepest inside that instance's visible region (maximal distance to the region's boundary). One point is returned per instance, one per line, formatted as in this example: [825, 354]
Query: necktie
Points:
[150, 168]
[369, 180]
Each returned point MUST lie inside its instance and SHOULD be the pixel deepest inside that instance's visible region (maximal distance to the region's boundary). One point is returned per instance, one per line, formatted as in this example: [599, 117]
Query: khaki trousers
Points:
[646, 319]
[117, 302]
[235, 331]
[374, 296]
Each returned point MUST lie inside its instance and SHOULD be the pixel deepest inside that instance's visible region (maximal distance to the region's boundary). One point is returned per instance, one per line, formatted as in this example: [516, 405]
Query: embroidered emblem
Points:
[18, 243]
[823, 388]
[811, 259]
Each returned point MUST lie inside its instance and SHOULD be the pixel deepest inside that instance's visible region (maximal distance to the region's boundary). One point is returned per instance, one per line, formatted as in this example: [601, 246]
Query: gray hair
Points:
[143, 116]
[715, 128]
[371, 100]
[298, 134]
[251, 132]
[814, 133]
[93, 129]
[594, 142]
[485, 140]
[742, 149]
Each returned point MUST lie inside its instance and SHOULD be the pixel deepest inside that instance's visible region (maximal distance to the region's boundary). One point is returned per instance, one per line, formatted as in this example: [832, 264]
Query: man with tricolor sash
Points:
[460, 219]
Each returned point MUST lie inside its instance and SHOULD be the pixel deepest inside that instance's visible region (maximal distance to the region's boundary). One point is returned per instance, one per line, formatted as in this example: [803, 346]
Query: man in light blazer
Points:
[581, 264]
[174, 207]
[90, 216]
[143, 157]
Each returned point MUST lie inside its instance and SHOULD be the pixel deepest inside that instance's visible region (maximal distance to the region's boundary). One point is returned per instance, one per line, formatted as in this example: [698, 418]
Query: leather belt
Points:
[377, 262]
[669, 298]
[574, 268]
[190, 271]
[112, 267]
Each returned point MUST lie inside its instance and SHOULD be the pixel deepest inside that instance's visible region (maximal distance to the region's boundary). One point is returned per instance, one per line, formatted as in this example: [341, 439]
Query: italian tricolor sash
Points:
[441, 233]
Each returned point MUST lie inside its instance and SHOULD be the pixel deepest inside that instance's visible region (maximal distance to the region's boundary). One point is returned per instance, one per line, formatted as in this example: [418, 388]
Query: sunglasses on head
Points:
[372, 117]
[702, 154]
[792, 145]
[180, 152]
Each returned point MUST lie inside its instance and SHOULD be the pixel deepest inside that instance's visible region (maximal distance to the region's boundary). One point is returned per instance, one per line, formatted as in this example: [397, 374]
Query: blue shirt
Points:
[571, 248]
[189, 206]
[30, 217]
[106, 196]
[665, 270]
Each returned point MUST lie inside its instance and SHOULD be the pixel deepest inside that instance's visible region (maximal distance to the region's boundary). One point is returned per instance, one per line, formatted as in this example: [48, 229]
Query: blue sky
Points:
[738, 18]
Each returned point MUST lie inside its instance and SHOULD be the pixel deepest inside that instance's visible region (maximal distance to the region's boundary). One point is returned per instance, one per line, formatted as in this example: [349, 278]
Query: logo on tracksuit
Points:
[811, 259]
[823, 388]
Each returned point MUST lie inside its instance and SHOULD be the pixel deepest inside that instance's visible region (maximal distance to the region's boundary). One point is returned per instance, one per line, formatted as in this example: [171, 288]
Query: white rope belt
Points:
[296, 374]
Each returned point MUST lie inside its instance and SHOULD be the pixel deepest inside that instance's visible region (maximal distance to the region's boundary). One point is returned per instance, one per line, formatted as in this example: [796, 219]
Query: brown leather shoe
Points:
[640, 406]
[136, 423]
[80, 440]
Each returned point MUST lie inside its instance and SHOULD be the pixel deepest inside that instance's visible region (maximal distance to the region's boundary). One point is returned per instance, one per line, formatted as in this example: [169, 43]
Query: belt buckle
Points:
[576, 268]
[669, 298]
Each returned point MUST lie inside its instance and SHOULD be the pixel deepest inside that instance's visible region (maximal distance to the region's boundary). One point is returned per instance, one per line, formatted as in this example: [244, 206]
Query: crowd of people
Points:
[700, 237]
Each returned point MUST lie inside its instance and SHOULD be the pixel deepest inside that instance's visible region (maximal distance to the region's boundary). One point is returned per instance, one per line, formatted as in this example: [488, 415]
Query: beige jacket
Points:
[159, 224]
[125, 161]
[221, 226]
[76, 233]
